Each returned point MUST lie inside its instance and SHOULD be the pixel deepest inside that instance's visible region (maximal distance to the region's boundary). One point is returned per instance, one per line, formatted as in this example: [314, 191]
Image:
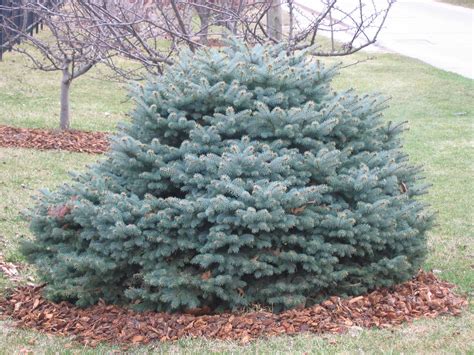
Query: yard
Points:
[439, 107]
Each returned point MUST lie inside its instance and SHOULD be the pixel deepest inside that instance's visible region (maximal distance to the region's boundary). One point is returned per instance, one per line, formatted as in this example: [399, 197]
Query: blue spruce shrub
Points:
[241, 179]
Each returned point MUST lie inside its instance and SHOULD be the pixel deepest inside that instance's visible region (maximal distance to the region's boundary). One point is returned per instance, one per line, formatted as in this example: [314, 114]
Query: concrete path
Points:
[439, 34]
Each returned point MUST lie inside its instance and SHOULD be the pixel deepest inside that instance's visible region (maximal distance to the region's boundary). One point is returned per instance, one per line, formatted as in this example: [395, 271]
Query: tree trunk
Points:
[64, 122]
[274, 20]
[204, 15]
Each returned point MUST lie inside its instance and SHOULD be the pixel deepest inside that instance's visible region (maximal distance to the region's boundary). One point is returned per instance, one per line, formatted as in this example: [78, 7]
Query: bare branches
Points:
[152, 32]
[71, 44]
[179, 19]
[149, 34]
[351, 25]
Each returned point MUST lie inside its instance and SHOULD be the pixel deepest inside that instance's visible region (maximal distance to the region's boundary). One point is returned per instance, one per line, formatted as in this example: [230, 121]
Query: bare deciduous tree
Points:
[69, 46]
[152, 31]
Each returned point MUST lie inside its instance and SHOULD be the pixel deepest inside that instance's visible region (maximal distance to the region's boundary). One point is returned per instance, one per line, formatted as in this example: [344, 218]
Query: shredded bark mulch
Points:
[42, 139]
[423, 296]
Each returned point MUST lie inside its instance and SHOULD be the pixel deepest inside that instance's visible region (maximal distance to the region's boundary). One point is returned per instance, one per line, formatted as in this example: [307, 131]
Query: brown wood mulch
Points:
[423, 296]
[42, 139]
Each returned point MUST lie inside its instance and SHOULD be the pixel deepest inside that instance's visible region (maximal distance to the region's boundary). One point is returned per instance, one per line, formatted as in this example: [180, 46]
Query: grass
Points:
[440, 109]
[30, 98]
[22, 173]
[465, 3]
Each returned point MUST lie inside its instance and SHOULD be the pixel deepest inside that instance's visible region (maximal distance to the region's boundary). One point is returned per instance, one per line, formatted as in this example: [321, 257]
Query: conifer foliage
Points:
[242, 179]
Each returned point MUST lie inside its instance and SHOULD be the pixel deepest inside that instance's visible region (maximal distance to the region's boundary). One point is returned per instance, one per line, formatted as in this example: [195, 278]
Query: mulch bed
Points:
[72, 140]
[423, 296]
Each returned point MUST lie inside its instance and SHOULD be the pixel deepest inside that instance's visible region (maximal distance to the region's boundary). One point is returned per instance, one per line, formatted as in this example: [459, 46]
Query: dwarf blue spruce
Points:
[242, 179]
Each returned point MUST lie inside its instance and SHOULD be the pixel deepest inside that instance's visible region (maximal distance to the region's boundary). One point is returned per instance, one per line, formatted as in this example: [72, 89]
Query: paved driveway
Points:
[436, 33]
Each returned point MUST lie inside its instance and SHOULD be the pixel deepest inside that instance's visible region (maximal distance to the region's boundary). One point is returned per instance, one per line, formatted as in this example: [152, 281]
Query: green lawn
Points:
[31, 98]
[439, 107]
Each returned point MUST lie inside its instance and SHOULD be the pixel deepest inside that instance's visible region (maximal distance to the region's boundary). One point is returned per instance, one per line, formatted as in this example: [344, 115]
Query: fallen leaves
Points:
[423, 296]
[36, 303]
[11, 271]
[138, 339]
[298, 210]
[59, 211]
[74, 141]
[403, 188]
[206, 275]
